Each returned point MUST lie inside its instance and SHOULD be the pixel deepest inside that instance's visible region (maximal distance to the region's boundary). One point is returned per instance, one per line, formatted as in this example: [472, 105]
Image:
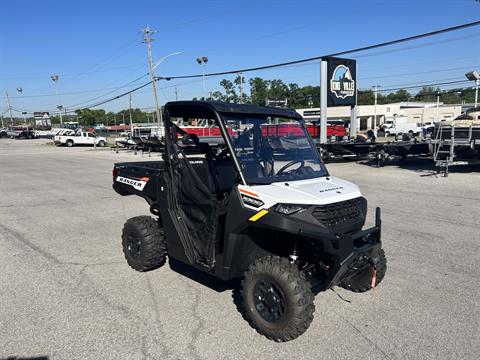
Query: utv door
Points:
[192, 203]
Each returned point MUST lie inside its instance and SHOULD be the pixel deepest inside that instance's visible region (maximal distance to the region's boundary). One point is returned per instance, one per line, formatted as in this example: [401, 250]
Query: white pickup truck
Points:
[399, 125]
[83, 138]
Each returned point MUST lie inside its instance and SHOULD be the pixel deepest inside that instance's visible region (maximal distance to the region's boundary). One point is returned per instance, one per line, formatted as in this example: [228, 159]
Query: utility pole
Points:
[375, 111]
[9, 107]
[130, 113]
[176, 93]
[147, 31]
[241, 87]
[1, 114]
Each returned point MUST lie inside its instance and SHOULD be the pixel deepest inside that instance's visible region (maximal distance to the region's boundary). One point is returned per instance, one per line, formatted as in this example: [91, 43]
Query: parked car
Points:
[21, 132]
[83, 138]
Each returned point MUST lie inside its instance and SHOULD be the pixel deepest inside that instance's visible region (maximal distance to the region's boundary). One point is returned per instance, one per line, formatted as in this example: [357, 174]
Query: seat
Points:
[202, 169]
[225, 175]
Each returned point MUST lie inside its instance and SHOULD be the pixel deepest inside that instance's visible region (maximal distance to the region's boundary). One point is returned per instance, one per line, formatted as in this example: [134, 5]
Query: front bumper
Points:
[349, 250]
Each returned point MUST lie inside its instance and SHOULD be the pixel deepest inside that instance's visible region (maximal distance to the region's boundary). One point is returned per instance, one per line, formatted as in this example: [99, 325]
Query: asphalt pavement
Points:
[66, 291]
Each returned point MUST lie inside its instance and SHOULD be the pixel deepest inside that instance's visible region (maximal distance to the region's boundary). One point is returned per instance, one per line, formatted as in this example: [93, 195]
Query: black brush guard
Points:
[349, 250]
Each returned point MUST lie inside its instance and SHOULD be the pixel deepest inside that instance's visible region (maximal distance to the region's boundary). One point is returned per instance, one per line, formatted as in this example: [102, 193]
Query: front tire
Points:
[362, 281]
[277, 299]
[143, 243]
[101, 143]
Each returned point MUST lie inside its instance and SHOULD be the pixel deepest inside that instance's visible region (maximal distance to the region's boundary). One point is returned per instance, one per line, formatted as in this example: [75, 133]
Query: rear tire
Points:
[362, 281]
[144, 243]
[277, 299]
[69, 143]
[101, 143]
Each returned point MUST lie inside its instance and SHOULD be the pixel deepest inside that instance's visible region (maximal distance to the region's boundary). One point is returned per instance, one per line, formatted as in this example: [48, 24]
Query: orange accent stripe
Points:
[145, 178]
[248, 192]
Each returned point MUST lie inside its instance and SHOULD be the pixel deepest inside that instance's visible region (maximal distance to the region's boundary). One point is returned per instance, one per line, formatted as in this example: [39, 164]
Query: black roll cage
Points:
[189, 108]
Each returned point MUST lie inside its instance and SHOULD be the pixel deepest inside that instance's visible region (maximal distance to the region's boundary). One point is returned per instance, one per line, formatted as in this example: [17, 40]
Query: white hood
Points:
[319, 191]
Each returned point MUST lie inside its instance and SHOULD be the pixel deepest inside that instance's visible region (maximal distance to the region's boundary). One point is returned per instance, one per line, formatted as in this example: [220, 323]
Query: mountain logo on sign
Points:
[342, 83]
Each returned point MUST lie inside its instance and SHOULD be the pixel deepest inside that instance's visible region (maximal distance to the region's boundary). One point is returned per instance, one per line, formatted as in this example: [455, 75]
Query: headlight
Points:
[289, 209]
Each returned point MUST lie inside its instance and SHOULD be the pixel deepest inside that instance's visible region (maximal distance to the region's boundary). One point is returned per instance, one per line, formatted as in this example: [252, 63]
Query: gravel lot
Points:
[67, 293]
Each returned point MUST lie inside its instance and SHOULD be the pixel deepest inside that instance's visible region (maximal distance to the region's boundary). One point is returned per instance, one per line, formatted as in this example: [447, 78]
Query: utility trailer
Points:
[457, 142]
[259, 207]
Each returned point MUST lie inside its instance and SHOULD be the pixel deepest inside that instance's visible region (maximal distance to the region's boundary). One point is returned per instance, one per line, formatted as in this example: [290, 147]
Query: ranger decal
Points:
[138, 184]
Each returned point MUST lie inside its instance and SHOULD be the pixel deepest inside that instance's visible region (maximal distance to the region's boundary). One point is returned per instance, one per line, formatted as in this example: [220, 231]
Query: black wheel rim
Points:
[134, 247]
[269, 300]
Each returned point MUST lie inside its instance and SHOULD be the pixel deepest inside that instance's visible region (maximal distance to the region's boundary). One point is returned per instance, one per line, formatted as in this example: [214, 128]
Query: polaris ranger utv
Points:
[258, 206]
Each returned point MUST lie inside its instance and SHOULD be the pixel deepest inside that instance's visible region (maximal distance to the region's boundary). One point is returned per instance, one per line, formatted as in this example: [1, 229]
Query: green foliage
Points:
[90, 117]
[309, 96]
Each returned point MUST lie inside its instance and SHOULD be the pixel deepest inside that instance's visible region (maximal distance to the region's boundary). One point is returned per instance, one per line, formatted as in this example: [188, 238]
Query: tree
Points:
[90, 117]
[427, 93]
[366, 97]
[258, 90]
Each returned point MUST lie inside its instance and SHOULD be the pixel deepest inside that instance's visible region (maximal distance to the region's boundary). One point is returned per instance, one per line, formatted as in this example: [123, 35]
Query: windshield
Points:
[274, 149]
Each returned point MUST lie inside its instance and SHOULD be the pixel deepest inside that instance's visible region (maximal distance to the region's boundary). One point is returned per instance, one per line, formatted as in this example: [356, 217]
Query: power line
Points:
[425, 85]
[420, 72]
[316, 58]
[355, 50]
[110, 92]
[65, 93]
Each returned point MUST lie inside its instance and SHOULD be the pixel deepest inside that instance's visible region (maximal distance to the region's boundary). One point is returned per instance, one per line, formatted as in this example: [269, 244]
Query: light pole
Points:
[438, 102]
[474, 76]
[24, 113]
[202, 61]
[55, 79]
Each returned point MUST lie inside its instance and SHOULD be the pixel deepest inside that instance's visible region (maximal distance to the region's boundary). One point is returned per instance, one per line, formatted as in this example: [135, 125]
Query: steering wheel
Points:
[223, 154]
[293, 162]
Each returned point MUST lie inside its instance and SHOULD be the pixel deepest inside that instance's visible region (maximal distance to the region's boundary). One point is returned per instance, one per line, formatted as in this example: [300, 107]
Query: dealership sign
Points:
[42, 118]
[342, 82]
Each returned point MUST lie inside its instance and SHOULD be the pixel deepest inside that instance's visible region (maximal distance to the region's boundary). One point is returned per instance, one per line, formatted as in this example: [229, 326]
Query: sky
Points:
[96, 47]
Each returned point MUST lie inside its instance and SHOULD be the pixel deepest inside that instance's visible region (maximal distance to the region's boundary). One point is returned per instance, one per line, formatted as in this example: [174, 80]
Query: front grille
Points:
[338, 213]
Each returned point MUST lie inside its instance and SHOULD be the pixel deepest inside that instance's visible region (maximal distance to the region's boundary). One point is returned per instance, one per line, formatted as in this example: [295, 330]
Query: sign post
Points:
[323, 101]
[353, 113]
[338, 87]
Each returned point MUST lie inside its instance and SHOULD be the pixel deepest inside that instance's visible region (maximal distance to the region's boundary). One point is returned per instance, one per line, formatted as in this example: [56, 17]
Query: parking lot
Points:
[66, 291]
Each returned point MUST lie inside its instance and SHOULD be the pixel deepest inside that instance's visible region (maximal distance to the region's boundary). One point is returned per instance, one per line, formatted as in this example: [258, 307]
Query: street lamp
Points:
[55, 79]
[202, 61]
[24, 113]
[165, 57]
[438, 102]
[474, 76]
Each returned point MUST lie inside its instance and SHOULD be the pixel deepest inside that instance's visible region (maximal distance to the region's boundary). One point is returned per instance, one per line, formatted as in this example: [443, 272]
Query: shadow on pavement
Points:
[202, 277]
[25, 358]
[211, 282]
[424, 166]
